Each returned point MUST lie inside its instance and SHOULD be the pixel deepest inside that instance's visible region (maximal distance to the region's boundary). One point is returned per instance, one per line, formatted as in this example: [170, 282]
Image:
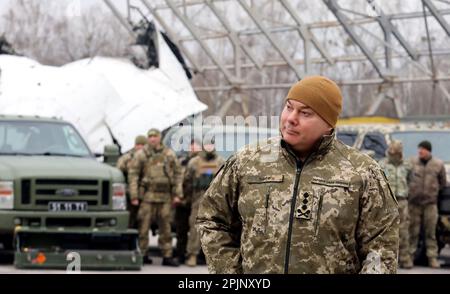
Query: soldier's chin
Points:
[291, 139]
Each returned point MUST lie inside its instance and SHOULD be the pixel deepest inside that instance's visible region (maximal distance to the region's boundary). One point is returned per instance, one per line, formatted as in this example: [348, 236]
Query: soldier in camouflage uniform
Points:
[303, 203]
[199, 174]
[427, 178]
[124, 164]
[161, 179]
[398, 173]
[183, 210]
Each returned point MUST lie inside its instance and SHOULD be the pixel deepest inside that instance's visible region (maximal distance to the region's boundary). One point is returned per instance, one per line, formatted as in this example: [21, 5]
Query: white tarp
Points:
[100, 93]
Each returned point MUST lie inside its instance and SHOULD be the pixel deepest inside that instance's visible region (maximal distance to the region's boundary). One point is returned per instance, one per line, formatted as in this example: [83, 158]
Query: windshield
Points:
[41, 138]
[375, 142]
[347, 138]
[440, 142]
[227, 140]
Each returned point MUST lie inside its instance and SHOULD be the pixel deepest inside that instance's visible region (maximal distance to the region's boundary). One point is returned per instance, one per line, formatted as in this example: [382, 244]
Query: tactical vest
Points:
[157, 175]
[205, 172]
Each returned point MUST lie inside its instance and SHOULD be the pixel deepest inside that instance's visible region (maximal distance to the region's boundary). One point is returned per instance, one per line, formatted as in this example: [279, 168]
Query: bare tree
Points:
[42, 30]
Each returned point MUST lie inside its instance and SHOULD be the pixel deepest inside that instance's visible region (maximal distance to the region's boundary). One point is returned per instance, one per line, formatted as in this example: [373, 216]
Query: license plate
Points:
[67, 206]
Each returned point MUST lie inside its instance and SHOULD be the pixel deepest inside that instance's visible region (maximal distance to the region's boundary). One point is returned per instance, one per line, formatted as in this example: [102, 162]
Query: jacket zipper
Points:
[291, 216]
[266, 205]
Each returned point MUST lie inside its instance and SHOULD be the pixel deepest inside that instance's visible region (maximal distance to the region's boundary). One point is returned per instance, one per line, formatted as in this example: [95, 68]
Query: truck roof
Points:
[5, 117]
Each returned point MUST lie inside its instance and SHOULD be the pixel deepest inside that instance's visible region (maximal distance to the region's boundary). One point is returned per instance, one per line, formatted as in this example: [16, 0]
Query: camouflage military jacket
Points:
[398, 176]
[124, 164]
[426, 181]
[160, 174]
[266, 212]
[199, 170]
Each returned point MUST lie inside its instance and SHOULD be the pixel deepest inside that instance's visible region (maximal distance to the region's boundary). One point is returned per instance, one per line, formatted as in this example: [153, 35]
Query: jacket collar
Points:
[158, 149]
[323, 147]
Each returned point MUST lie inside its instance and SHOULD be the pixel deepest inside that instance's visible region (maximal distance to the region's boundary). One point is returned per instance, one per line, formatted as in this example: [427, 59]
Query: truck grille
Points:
[39, 192]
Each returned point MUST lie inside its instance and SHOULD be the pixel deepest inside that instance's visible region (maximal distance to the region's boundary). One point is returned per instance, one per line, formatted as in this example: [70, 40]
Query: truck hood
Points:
[13, 167]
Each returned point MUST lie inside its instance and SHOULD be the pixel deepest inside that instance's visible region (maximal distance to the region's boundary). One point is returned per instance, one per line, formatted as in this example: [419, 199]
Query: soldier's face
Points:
[195, 147]
[301, 127]
[424, 153]
[138, 146]
[154, 141]
[209, 147]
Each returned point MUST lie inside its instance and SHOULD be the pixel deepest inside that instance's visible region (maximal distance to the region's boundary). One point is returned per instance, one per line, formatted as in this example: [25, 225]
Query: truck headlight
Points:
[119, 196]
[6, 195]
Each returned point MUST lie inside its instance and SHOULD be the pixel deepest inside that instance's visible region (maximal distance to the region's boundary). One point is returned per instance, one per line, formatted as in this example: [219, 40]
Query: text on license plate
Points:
[67, 206]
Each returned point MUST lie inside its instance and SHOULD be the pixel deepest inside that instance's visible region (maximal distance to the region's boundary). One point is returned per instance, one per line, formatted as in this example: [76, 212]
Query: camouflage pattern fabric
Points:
[429, 215]
[161, 174]
[266, 212]
[426, 181]
[159, 212]
[124, 164]
[397, 173]
[404, 256]
[158, 171]
[197, 167]
[182, 212]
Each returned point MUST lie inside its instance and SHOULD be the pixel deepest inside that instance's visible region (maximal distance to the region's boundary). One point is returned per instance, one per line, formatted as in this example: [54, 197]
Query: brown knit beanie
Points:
[320, 94]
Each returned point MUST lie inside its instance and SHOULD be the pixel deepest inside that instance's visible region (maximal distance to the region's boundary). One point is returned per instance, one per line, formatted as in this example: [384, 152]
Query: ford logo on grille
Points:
[66, 192]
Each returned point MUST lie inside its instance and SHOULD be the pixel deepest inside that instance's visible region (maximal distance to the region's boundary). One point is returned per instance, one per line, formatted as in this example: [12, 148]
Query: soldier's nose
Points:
[292, 120]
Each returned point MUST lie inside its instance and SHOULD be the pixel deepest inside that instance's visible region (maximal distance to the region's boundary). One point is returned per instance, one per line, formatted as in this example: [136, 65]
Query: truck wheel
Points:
[6, 249]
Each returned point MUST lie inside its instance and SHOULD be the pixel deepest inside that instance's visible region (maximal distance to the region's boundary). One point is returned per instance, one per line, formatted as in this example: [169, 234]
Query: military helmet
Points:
[153, 132]
[140, 140]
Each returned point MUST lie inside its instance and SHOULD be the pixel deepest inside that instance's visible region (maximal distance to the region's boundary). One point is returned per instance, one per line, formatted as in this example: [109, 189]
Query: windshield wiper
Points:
[16, 153]
[56, 154]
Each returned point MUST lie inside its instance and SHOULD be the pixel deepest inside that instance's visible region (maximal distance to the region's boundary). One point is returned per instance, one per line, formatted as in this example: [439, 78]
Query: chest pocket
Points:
[328, 197]
[157, 174]
[255, 203]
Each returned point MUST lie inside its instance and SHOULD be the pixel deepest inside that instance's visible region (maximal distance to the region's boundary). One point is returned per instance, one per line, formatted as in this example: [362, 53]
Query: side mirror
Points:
[111, 154]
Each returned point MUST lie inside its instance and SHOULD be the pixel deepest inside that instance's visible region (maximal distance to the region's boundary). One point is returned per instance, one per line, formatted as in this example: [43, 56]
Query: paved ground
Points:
[156, 268]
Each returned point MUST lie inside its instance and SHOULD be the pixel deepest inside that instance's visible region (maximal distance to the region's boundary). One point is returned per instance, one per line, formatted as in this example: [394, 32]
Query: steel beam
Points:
[187, 23]
[275, 43]
[378, 81]
[304, 32]
[339, 59]
[389, 29]
[439, 17]
[343, 19]
[232, 34]
[322, 25]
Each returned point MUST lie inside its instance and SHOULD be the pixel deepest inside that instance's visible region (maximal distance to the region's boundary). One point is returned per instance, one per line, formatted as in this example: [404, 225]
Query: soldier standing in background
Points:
[183, 210]
[124, 164]
[162, 182]
[199, 174]
[427, 179]
[303, 203]
[398, 173]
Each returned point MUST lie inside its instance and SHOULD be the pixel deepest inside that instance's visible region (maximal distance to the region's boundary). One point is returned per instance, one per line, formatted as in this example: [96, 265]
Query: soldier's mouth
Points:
[290, 132]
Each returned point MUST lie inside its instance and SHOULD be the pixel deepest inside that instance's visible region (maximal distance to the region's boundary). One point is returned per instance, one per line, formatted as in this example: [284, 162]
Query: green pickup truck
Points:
[58, 202]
